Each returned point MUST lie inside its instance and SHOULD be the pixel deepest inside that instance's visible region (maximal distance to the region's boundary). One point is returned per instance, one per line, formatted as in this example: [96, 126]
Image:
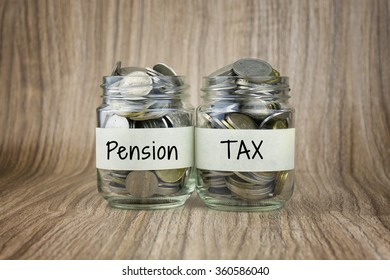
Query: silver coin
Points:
[111, 82]
[242, 194]
[250, 194]
[256, 108]
[164, 69]
[178, 119]
[237, 181]
[224, 71]
[217, 123]
[215, 181]
[219, 191]
[204, 120]
[133, 107]
[167, 84]
[136, 83]
[248, 67]
[141, 183]
[249, 185]
[116, 69]
[125, 71]
[117, 189]
[264, 178]
[119, 174]
[167, 191]
[152, 72]
[248, 177]
[276, 116]
[212, 173]
[116, 121]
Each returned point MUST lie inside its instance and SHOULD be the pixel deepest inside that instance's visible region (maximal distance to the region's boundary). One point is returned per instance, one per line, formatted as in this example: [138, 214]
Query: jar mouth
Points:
[264, 81]
[233, 86]
[143, 86]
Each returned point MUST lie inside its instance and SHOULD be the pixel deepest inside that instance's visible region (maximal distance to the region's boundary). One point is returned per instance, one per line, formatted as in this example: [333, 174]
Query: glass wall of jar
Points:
[245, 142]
[144, 139]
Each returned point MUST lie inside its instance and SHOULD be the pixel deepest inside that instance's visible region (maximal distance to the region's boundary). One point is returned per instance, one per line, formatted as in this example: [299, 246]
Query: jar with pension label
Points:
[144, 138]
[244, 138]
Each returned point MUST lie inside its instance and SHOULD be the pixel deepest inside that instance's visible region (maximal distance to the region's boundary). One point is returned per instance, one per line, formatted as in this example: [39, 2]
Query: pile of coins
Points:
[144, 98]
[144, 184]
[248, 94]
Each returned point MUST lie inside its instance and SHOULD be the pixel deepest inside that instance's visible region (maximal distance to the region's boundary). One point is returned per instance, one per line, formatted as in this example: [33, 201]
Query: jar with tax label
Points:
[244, 138]
[144, 138]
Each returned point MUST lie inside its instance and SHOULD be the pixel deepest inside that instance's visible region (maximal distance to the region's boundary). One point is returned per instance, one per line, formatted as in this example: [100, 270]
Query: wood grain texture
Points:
[53, 55]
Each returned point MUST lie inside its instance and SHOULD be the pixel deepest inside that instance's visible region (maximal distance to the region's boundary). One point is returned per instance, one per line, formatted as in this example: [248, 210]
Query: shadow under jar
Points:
[245, 143]
[144, 141]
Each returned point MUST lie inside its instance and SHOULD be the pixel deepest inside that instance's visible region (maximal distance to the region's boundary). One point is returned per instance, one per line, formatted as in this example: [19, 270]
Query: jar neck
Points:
[140, 88]
[237, 87]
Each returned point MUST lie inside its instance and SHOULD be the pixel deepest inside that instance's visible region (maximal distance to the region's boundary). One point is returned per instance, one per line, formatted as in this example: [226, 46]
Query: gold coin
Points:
[279, 124]
[240, 121]
[171, 175]
[280, 181]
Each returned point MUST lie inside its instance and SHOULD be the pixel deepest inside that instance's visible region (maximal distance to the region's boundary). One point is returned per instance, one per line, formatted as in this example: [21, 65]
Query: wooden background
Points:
[53, 55]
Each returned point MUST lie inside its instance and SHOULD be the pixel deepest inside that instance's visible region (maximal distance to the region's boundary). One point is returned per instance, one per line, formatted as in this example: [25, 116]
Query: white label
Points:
[144, 149]
[244, 150]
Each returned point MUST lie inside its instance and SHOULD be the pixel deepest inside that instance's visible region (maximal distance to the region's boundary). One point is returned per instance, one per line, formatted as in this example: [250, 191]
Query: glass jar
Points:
[244, 140]
[144, 140]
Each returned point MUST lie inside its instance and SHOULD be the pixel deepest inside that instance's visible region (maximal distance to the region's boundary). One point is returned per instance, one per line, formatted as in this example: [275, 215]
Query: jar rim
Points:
[141, 80]
[241, 84]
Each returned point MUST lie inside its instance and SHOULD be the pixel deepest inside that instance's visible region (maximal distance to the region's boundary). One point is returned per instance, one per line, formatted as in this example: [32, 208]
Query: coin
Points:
[171, 175]
[125, 71]
[249, 194]
[154, 123]
[217, 123]
[115, 70]
[255, 178]
[119, 173]
[177, 119]
[152, 72]
[227, 125]
[141, 183]
[164, 69]
[116, 121]
[219, 191]
[280, 181]
[274, 106]
[280, 124]
[148, 116]
[247, 67]
[272, 118]
[240, 121]
[256, 108]
[136, 83]
[224, 71]
[167, 190]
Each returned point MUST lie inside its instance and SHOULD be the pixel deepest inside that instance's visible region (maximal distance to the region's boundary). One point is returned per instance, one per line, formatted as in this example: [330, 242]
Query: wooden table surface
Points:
[53, 55]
